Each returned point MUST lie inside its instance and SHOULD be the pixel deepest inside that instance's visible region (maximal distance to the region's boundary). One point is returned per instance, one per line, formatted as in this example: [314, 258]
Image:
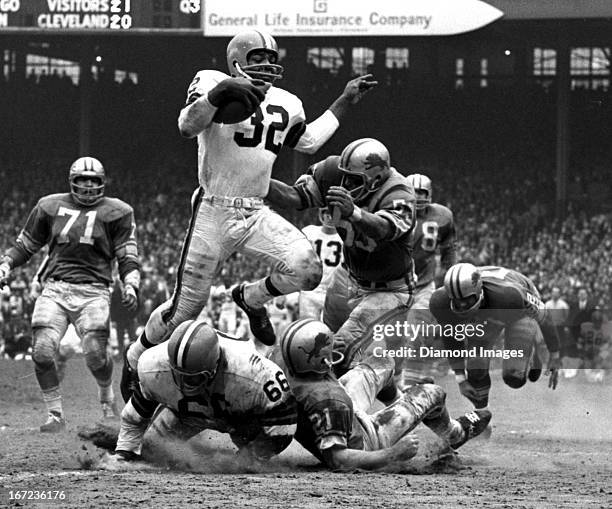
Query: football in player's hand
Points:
[232, 112]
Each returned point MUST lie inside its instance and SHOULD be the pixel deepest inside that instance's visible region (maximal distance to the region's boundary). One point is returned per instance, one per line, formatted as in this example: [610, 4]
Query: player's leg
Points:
[363, 382]
[417, 369]
[92, 323]
[165, 430]
[521, 336]
[339, 299]
[199, 261]
[295, 266]
[373, 311]
[49, 324]
[310, 305]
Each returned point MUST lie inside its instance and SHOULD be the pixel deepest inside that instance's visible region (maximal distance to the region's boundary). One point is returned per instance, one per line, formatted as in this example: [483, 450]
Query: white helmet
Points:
[87, 168]
[307, 348]
[463, 285]
[420, 183]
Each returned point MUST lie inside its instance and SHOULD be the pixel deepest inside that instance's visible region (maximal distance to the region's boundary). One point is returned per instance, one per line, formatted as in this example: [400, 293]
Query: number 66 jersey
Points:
[83, 240]
[248, 395]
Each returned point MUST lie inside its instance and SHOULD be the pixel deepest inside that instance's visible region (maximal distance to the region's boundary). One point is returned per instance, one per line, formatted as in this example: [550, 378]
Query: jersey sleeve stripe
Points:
[294, 134]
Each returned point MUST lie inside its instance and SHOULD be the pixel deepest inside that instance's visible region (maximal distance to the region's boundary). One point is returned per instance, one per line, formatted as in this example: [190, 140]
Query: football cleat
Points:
[54, 424]
[473, 424]
[258, 318]
[129, 379]
[109, 411]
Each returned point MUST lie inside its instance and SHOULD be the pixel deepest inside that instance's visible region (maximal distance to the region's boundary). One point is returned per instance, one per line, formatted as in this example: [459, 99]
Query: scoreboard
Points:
[101, 16]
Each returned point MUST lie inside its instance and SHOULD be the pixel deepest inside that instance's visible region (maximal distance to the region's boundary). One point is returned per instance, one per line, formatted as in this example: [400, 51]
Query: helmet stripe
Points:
[348, 151]
[264, 42]
[458, 282]
[183, 347]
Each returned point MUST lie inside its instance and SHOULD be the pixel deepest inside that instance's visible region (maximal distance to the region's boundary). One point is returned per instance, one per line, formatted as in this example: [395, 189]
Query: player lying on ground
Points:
[502, 301]
[373, 210]
[203, 379]
[85, 231]
[333, 423]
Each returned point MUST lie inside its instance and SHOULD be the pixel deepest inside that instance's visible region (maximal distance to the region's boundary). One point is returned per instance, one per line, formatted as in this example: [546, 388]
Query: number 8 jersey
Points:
[82, 240]
[237, 159]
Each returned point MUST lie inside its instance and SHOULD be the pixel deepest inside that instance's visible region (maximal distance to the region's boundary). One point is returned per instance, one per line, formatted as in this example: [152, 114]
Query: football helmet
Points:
[463, 285]
[364, 164]
[421, 183]
[307, 348]
[87, 168]
[194, 354]
[240, 48]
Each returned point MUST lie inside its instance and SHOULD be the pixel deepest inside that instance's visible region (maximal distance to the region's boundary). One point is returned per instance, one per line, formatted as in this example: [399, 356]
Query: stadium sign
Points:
[347, 17]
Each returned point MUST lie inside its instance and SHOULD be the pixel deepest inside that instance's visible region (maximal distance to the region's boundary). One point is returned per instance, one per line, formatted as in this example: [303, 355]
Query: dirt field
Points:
[547, 450]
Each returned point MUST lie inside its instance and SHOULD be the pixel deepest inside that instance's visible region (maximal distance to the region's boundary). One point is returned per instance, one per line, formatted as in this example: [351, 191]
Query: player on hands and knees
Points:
[334, 422]
[85, 231]
[234, 166]
[203, 379]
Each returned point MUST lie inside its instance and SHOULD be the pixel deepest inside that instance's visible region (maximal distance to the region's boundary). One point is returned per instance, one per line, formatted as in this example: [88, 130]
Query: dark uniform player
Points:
[333, 420]
[496, 300]
[85, 231]
[434, 231]
[373, 208]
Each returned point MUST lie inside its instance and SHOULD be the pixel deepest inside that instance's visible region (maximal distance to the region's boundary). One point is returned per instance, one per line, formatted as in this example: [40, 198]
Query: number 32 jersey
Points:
[82, 240]
[237, 159]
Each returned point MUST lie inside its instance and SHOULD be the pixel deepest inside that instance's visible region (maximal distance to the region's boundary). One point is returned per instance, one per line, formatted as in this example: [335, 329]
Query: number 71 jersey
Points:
[82, 240]
[236, 159]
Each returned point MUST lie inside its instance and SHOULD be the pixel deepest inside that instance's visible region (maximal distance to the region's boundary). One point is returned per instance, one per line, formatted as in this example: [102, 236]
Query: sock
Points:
[53, 401]
[257, 294]
[105, 393]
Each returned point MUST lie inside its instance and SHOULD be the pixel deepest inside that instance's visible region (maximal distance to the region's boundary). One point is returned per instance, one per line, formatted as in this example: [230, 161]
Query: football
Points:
[232, 112]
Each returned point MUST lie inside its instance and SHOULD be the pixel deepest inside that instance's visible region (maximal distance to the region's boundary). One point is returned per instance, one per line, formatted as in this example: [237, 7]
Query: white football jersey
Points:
[329, 248]
[248, 389]
[236, 159]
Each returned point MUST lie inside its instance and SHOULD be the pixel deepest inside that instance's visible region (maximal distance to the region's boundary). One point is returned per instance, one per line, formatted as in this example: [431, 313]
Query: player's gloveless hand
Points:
[356, 88]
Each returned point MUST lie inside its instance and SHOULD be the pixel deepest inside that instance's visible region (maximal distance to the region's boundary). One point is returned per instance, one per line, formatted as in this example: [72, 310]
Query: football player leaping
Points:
[204, 379]
[495, 300]
[434, 230]
[234, 164]
[374, 209]
[85, 231]
[333, 419]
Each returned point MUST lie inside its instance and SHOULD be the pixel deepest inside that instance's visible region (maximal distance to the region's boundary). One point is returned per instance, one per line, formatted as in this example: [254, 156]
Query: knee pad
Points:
[310, 276]
[515, 379]
[44, 347]
[94, 343]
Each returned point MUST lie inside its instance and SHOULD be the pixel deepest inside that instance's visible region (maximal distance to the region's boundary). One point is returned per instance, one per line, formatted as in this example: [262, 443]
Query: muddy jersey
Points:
[325, 413]
[434, 230]
[236, 159]
[82, 240]
[390, 258]
[508, 296]
[248, 393]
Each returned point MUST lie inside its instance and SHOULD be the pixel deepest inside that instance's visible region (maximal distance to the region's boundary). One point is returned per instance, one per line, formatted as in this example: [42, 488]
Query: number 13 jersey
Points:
[237, 159]
[82, 240]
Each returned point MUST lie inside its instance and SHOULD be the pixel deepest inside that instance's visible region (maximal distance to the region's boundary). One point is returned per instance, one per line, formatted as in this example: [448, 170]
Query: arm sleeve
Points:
[32, 238]
[398, 209]
[309, 138]
[126, 248]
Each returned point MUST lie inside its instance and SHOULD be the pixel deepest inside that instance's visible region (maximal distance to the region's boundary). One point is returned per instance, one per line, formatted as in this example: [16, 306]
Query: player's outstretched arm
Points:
[353, 92]
[342, 458]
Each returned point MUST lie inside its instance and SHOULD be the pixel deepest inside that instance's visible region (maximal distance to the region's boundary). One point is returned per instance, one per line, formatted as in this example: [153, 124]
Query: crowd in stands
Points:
[489, 164]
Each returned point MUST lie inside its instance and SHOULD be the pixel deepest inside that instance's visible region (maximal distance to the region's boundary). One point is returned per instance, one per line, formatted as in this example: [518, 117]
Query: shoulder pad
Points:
[52, 202]
[113, 209]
